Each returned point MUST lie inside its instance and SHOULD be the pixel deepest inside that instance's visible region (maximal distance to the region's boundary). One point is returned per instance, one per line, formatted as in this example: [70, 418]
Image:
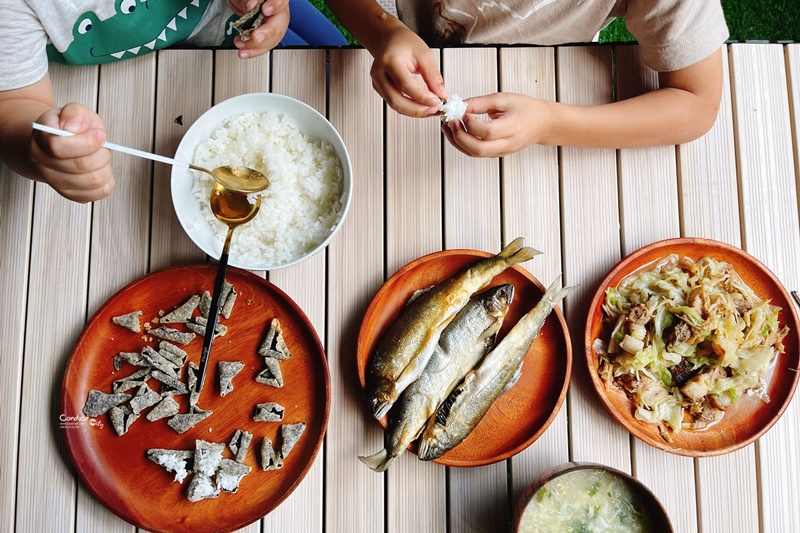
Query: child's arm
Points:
[269, 33]
[77, 167]
[683, 109]
[399, 54]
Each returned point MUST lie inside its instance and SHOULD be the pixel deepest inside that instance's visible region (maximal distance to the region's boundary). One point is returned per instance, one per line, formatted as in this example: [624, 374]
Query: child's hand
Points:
[77, 167]
[267, 36]
[516, 122]
[401, 55]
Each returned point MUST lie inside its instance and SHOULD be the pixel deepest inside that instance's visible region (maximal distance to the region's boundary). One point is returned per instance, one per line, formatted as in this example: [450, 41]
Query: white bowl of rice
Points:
[302, 155]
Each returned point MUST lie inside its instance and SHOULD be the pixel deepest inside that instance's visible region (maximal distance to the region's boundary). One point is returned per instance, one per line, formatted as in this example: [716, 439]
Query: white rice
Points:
[453, 108]
[303, 201]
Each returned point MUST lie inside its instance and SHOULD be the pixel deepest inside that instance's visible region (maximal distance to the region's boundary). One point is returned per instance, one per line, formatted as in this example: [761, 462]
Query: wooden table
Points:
[413, 194]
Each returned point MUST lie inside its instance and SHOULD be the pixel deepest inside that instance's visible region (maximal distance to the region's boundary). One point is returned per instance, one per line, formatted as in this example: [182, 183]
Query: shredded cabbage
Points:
[687, 340]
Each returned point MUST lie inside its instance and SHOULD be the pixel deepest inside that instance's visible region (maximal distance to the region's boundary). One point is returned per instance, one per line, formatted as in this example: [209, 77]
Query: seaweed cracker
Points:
[249, 21]
[122, 417]
[269, 459]
[173, 335]
[163, 409]
[272, 374]
[227, 307]
[179, 461]
[173, 385]
[129, 321]
[145, 397]
[239, 444]
[229, 474]
[273, 344]
[201, 488]
[185, 421]
[158, 361]
[290, 434]
[227, 370]
[207, 456]
[183, 313]
[199, 327]
[269, 412]
[98, 403]
[192, 373]
[205, 304]
[172, 353]
[137, 379]
[132, 358]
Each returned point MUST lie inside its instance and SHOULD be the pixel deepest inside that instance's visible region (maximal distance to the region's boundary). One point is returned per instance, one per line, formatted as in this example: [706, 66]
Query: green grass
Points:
[748, 20]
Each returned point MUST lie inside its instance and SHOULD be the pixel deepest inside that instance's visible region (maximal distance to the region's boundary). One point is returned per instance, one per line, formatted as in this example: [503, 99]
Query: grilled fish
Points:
[458, 415]
[468, 337]
[409, 342]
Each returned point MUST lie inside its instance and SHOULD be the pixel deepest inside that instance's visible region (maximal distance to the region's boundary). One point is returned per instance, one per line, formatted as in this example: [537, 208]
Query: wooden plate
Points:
[520, 415]
[115, 468]
[751, 417]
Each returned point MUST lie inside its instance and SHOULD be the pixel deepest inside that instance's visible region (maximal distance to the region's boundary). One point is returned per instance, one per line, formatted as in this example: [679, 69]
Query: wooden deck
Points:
[413, 194]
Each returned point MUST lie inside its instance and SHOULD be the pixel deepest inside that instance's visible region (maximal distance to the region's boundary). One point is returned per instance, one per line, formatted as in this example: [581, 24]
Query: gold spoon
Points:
[233, 177]
[233, 209]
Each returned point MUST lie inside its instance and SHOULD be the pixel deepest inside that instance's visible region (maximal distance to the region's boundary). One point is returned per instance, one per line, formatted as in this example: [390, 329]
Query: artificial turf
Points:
[748, 20]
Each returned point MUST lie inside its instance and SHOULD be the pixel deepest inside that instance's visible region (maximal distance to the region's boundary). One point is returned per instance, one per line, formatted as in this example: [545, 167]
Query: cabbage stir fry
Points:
[688, 340]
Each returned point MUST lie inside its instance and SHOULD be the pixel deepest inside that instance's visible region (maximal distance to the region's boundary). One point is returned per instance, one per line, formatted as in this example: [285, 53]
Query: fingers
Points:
[398, 99]
[78, 167]
[432, 76]
[466, 142]
[265, 37]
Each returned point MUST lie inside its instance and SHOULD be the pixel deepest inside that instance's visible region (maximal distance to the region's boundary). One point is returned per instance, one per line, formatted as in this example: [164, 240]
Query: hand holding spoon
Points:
[232, 177]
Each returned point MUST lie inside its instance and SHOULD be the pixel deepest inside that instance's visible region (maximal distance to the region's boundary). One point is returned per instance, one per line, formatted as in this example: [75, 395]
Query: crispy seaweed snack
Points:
[271, 375]
[269, 412]
[240, 442]
[273, 344]
[269, 459]
[129, 321]
[290, 434]
[227, 370]
[249, 21]
[99, 402]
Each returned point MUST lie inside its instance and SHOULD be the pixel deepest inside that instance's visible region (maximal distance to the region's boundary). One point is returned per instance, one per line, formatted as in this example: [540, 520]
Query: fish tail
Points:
[378, 462]
[515, 252]
[554, 295]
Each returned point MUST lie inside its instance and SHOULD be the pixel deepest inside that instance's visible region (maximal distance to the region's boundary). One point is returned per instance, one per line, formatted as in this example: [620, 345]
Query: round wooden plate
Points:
[520, 415]
[115, 468]
[751, 417]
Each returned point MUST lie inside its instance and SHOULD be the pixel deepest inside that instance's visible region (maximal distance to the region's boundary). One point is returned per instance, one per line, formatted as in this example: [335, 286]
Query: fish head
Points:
[500, 299]
[382, 395]
[431, 448]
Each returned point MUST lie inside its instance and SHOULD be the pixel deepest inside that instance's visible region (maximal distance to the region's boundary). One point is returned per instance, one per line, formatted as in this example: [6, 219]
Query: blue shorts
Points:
[309, 27]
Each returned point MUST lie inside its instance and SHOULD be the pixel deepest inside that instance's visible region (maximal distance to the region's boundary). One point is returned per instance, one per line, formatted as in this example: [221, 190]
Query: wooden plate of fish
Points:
[520, 414]
[165, 459]
[709, 338]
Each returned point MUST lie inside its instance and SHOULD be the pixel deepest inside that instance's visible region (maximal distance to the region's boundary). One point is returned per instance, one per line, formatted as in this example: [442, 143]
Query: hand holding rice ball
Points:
[515, 121]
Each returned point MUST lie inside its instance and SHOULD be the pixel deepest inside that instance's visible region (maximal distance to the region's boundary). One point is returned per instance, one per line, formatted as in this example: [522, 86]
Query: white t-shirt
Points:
[672, 34]
[88, 32]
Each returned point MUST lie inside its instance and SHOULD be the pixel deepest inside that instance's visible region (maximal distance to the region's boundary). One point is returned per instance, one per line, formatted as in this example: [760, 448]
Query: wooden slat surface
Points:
[413, 229]
[531, 208]
[413, 194]
[477, 496]
[771, 232]
[59, 270]
[591, 247]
